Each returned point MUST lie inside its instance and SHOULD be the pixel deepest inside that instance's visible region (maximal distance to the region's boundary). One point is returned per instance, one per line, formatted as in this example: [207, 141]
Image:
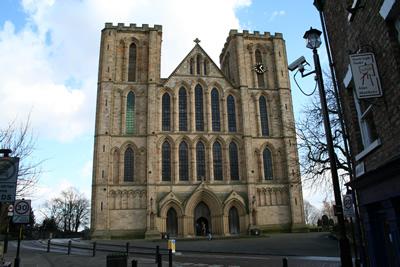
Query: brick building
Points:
[362, 29]
[206, 149]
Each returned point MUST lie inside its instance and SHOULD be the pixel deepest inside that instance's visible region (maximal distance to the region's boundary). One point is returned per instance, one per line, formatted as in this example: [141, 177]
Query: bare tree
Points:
[314, 157]
[20, 139]
[311, 213]
[70, 210]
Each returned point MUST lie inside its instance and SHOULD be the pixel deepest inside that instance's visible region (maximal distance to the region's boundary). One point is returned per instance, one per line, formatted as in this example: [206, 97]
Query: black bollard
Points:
[285, 262]
[69, 247]
[170, 257]
[48, 245]
[127, 248]
[94, 249]
[134, 263]
[157, 252]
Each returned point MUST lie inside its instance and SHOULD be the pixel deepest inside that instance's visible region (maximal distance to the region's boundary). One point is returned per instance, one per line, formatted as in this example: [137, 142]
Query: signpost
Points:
[8, 178]
[365, 75]
[22, 211]
[348, 209]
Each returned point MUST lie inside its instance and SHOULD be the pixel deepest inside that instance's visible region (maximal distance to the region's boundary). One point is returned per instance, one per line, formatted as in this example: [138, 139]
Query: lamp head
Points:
[313, 38]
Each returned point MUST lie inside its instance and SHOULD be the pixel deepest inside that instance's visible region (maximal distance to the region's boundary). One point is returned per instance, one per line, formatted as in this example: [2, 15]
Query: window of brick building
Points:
[130, 113]
[166, 112]
[182, 110]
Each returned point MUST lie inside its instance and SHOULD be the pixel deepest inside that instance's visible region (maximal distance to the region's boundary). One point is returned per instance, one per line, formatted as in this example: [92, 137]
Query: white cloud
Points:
[276, 13]
[60, 44]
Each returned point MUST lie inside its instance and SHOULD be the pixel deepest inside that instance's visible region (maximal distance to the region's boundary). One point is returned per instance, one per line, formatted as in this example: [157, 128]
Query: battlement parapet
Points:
[132, 27]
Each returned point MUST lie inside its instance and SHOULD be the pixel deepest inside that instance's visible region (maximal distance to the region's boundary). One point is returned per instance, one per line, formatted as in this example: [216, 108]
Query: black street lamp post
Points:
[313, 42]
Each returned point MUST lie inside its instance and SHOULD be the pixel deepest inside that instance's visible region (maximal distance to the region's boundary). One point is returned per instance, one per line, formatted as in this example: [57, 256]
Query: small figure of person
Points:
[209, 235]
[203, 228]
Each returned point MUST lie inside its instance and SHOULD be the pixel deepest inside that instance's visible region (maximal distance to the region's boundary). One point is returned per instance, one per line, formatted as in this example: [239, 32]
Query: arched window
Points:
[182, 110]
[166, 112]
[205, 64]
[263, 116]
[198, 63]
[216, 123]
[183, 162]
[166, 161]
[115, 167]
[217, 157]
[130, 113]
[230, 103]
[199, 108]
[234, 161]
[128, 165]
[260, 76]
[132, 63]
[267, 161]
[234, 222]
[191, 66]
[172, 222]
[200, 161]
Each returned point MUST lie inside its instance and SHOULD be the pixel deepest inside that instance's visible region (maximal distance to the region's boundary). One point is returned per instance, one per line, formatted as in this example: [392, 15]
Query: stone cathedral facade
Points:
[208, 149]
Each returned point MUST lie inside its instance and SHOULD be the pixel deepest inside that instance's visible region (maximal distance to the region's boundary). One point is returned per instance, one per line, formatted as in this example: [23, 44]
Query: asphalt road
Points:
[302, 249]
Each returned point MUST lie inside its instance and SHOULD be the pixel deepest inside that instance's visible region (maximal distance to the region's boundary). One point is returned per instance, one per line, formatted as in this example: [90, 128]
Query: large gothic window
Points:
[200, 161]
[128, 165]
[166, 112]
[217, 157]
[263, 116]
[260, 76]
[130, 113]
[215, 116]
[183, 162]
[234, 161]
[182, 110]
[267, 161]
[199, 109]
[166, 161]
[132, 63]
[231, 113]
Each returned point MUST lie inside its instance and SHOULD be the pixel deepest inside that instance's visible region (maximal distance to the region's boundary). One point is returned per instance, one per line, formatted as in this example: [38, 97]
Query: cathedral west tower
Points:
[207, 149]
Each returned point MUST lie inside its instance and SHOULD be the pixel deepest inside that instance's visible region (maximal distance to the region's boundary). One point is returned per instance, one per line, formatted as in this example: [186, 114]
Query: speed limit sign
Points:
[22, 211]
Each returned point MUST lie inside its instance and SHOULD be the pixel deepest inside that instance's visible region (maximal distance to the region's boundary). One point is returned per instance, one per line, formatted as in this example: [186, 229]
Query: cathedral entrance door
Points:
[172, 222]
[202, 219]
[234, 226]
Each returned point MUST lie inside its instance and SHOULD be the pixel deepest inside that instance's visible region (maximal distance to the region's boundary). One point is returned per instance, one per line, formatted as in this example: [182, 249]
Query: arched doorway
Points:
[172, 222]
[234, 224]
[202, 219]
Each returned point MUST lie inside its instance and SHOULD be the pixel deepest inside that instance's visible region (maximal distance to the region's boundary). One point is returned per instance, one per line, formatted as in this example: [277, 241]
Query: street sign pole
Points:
[17, 259]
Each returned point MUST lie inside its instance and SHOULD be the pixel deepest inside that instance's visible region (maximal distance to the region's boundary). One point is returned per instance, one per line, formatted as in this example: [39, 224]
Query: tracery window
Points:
[199, 109]
[267, 161]
[166, 112]
[234, 161]
[132, 63]
[183, 162]
[166, 161]
[263, 116]
[200, 161]
[130, 113]
[215, 116]
[128, 165]
[231, 113]
[182, 110]
[217, 160]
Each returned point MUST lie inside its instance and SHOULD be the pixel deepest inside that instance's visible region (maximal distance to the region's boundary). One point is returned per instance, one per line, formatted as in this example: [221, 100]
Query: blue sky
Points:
[49, 60]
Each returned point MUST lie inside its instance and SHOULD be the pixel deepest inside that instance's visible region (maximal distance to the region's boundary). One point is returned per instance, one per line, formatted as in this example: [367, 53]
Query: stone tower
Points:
[204, 150]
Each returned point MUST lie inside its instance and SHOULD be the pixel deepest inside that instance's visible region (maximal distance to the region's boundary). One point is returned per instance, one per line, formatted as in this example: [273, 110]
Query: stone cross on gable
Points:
[197, 40]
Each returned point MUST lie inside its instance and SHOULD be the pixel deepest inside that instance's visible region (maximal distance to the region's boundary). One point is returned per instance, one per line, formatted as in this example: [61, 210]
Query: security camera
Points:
[298, 63]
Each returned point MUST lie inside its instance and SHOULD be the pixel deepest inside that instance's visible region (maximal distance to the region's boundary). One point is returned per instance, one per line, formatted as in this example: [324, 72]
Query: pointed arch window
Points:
[183, 161]
[191, 66]
[234, 161]
[217, 161]
[199, 109]
[263, 116]
[132, 63]
[128, 165]
[166, 112]
[260, 76]
[200, 161]
[198, 64]
[166, 161]
[215, 116]
[231, 113]
[267, 161]
[130, 113]
[182, 109]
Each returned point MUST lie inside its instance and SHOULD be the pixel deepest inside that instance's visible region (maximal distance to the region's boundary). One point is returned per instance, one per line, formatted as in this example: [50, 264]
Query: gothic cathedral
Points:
[208, 149]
